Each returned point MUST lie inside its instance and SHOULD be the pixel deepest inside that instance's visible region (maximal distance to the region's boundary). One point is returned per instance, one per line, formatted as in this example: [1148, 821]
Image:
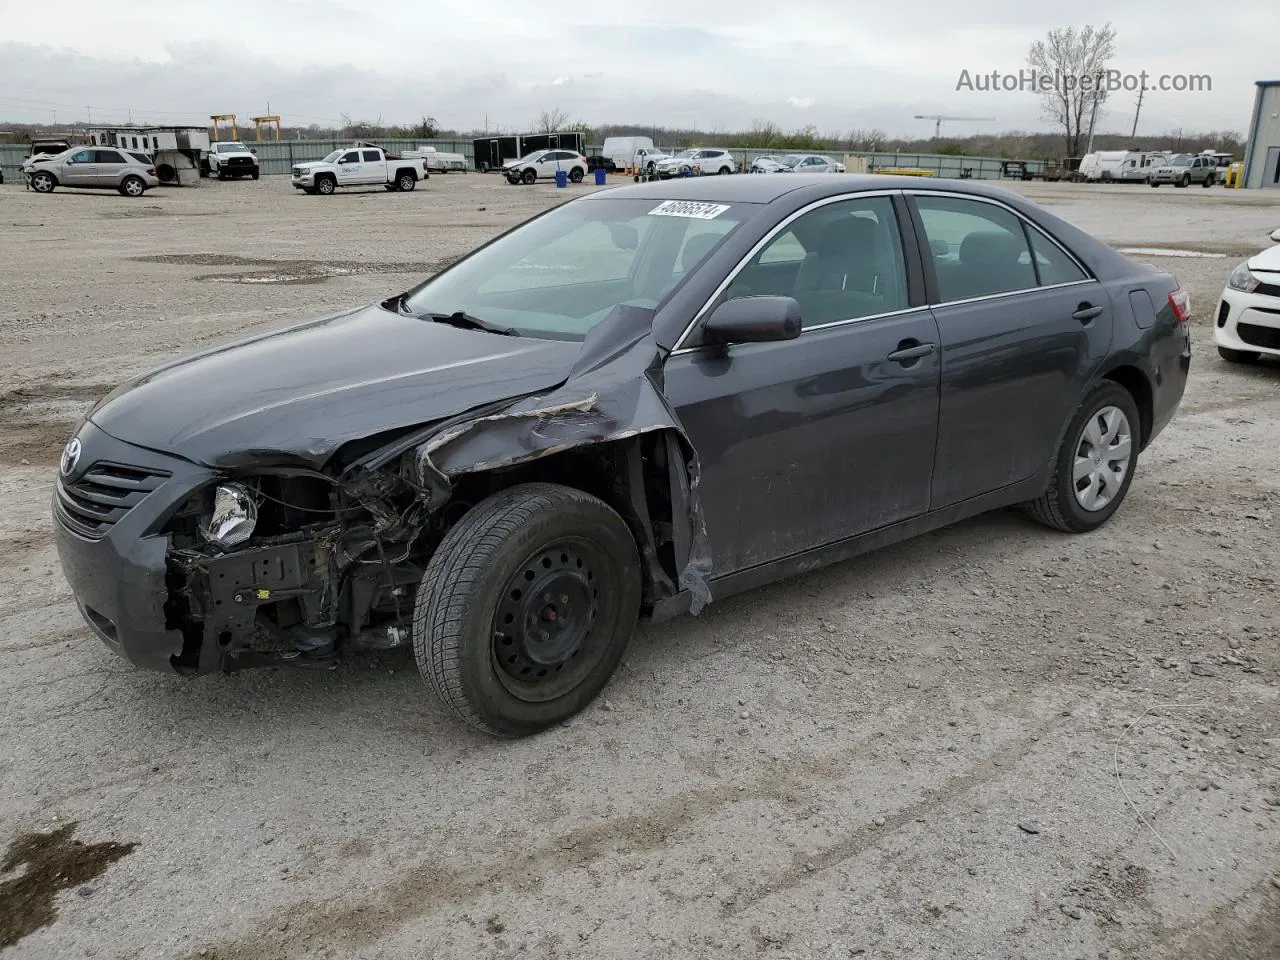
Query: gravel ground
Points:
[993, 741]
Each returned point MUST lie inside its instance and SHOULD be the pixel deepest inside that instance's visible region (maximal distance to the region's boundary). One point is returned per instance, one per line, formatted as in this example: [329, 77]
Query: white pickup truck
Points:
[359, 167]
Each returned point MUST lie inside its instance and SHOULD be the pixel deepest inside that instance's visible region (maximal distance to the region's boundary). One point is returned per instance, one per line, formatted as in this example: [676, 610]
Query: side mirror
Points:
[624, 237]
[1275, 235]
[253, 151]
[753, 320]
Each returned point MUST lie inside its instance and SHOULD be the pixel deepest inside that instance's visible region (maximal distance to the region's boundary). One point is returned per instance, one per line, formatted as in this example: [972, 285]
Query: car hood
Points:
[296, 395]
[1267, 261]
[308, 165]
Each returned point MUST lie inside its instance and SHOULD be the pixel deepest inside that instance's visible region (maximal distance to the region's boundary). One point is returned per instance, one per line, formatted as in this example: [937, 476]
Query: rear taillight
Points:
[1180, 303]
[151, 171]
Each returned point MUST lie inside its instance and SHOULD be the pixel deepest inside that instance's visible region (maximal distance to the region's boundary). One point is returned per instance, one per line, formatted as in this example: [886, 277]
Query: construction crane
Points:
[938, 118]
[215, 128]
[270, 121]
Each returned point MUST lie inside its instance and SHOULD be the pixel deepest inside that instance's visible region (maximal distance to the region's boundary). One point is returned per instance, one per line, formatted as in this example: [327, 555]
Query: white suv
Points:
[698, 160]
[543, 164]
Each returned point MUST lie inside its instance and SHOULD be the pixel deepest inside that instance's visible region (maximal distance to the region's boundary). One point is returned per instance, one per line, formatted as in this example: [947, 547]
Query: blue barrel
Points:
[562, 179]
[601, 174]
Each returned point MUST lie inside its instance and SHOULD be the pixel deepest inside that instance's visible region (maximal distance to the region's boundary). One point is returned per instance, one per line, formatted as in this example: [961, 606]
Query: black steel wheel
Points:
[526, 608]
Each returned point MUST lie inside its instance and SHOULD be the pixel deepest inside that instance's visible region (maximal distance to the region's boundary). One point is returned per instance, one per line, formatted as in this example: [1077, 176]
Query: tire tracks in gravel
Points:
[360, 921]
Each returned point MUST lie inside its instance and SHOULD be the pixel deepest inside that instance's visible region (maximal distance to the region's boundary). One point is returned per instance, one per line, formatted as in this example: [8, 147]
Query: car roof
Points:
[749, 189]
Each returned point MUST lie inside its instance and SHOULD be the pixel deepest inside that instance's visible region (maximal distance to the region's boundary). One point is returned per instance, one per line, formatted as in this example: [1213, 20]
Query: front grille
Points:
[239, 161]
[92, 503]
[1266, 337]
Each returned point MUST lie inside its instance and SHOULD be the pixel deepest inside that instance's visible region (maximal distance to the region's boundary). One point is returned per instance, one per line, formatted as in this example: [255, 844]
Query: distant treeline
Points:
[763, 136]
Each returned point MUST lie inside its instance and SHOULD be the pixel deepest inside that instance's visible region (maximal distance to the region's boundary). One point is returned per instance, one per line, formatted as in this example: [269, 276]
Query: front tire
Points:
[1095, 464]
[325, 186]
[133, 186]
[1238, 356]
[43, 182]
[529, 177]
[526, 608]
[1185, 181]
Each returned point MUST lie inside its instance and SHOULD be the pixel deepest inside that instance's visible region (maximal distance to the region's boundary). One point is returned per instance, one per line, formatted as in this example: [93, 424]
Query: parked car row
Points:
[796, 163]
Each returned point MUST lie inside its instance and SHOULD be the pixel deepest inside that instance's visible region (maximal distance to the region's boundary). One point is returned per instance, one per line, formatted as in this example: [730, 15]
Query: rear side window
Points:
[371, 156]
[1052, 262]
[107, 156]
[979, 249]
[141, 157]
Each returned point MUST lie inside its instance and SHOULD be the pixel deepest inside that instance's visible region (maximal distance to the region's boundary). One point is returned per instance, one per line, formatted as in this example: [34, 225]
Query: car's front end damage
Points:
[259, 556]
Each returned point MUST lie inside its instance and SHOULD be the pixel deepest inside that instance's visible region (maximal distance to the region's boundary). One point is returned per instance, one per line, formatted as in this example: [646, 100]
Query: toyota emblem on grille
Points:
[70, 456]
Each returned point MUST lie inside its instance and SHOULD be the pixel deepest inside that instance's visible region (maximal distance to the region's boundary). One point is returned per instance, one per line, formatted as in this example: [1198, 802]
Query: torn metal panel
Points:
[612, 392]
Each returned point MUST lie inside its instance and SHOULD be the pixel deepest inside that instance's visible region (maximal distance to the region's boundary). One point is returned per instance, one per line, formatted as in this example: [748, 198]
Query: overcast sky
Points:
[715, 64]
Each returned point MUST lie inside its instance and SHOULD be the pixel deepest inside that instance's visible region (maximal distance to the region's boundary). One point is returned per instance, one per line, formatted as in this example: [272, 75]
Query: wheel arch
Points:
[1136, 382]
[634, 475]
[401, 171]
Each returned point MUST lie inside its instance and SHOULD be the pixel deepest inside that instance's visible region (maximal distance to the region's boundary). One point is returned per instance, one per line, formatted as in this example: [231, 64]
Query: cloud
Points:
[719, 64]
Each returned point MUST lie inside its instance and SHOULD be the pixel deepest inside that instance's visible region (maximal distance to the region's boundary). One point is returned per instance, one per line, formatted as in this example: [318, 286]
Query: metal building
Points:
[1262, 151]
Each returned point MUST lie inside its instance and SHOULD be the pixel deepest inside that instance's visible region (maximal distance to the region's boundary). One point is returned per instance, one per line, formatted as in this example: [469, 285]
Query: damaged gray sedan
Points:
[635, 402]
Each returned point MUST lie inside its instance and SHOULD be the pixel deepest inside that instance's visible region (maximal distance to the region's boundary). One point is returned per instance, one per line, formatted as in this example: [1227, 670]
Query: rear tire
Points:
[406, 182]
[1238, 356]
[133, 186]
[1153, 183]
[325, 185]
[1207, 182]
[501, 655]
[575, 175]
[1060, 506]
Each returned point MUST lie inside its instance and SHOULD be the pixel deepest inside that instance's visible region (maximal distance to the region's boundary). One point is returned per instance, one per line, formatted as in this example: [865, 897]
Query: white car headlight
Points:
[233, 518]
[1242, 279]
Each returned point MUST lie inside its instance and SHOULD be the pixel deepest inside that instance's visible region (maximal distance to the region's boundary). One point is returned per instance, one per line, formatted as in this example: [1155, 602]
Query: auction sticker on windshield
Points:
[689, 208]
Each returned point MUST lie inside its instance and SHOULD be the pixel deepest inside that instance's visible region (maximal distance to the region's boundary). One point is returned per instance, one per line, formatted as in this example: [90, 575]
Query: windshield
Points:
[531, 157]
[684, 154]
[333, 157]
[1182, 161]
[232, 148]
[561, 274]
[790, 161]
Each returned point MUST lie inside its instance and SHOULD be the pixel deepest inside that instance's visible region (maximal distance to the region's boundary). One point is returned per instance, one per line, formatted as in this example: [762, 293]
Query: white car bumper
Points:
[1249, 321]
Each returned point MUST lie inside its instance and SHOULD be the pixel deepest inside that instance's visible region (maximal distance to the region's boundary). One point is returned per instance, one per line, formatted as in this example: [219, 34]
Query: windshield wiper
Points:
[460, 318]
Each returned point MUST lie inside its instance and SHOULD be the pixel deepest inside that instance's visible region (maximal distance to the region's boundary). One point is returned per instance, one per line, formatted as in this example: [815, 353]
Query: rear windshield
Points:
[562, 273]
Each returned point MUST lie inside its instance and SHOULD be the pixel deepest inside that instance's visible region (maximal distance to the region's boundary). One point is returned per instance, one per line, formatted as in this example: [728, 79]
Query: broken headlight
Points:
[233, 517]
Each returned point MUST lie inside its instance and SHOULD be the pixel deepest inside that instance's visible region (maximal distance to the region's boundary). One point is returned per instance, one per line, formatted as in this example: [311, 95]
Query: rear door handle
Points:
[905, 354]
[1087, 312]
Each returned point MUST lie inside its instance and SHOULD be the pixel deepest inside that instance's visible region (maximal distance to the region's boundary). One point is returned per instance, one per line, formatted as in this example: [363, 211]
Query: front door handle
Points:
[1086, 312]
[909, 351]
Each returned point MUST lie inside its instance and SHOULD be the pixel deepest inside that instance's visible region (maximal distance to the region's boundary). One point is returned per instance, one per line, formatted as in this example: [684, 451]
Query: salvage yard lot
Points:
[929, 751]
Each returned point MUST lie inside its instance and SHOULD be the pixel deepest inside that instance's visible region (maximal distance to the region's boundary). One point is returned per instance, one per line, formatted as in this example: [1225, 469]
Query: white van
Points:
[622, 150]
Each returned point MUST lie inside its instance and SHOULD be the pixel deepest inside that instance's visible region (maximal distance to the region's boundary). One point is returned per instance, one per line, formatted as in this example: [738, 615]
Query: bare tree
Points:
[763, 133]
[552, 121]
[866, 140]
[1075, 60]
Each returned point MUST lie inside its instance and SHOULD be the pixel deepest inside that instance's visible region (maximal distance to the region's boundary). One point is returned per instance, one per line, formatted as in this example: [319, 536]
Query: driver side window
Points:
[840, 262]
